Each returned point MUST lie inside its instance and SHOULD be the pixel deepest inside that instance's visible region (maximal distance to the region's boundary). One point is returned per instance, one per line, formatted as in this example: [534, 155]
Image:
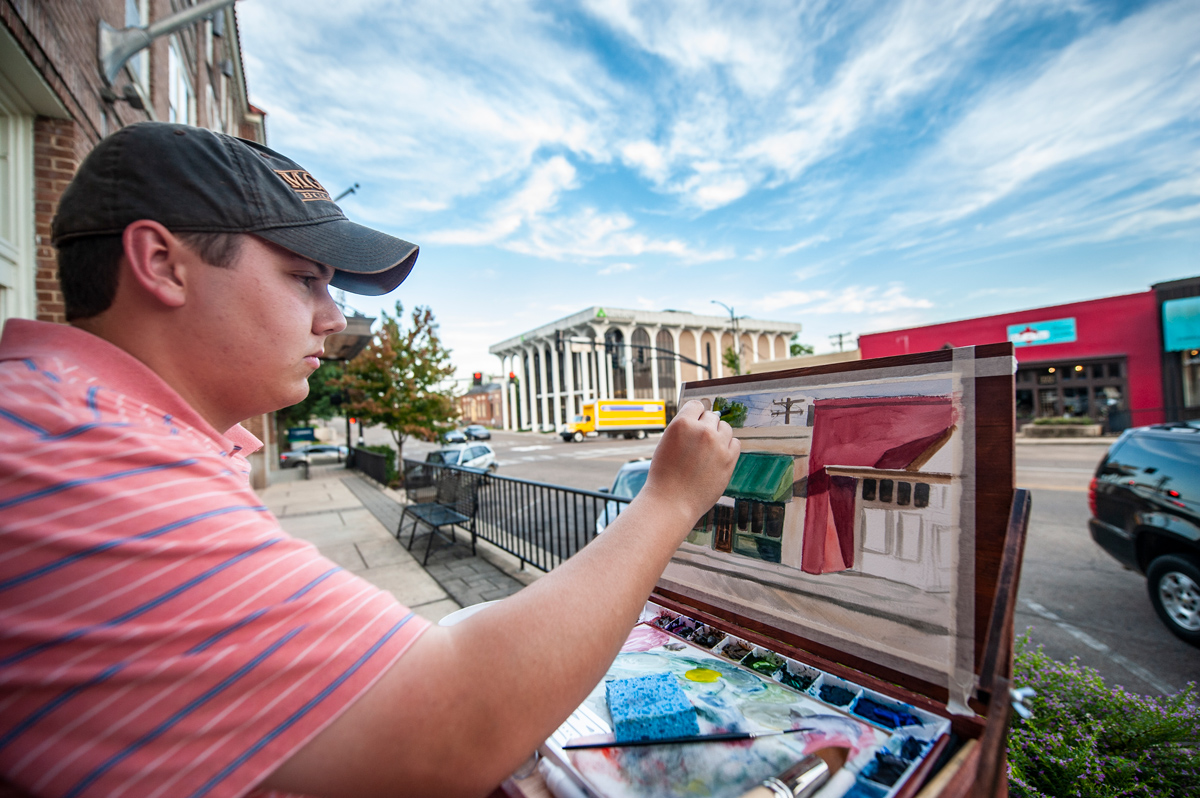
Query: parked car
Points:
[628, 483]
[478, 432]
[477, 455]
[454, 436]
[1145, 504]
[313, 454]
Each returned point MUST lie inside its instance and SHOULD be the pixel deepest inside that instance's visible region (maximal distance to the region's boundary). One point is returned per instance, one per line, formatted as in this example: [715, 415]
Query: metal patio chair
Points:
[456, 504]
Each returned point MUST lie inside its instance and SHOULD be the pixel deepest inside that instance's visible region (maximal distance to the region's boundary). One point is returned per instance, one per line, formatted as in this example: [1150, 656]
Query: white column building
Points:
[615, 370]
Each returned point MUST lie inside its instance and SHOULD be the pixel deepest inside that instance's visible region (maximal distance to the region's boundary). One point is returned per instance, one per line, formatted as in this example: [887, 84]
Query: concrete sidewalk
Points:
[352, 521]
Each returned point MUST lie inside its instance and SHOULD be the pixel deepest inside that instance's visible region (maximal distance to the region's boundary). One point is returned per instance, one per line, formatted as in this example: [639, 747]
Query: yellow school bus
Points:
[629, 418]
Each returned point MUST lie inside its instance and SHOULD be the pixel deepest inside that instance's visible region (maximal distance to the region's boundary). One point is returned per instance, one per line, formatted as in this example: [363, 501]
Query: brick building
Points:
[481, 405]
[56, 104]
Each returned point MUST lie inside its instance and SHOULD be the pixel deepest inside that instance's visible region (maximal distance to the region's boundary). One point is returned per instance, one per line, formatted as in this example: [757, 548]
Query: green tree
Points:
[396, 380]
[797, 349]
[732, 360]
[322, 401]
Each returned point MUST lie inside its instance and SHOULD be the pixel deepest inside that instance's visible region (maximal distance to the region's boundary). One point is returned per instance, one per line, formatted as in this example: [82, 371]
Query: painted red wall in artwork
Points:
[1119, 325]
[876, 432]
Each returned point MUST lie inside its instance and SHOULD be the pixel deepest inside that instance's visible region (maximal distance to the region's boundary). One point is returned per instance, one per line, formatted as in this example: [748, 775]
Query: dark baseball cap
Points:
[193, 180]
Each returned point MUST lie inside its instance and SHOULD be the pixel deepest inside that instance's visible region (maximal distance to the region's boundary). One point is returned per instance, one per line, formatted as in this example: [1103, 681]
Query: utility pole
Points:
[840, 339]
[786, 408]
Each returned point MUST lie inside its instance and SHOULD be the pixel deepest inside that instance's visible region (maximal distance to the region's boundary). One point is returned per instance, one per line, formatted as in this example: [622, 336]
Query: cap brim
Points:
[364, 261]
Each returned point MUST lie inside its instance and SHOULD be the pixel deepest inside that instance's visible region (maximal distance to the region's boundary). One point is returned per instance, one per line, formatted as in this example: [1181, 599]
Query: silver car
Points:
[475, 455]
[313, 454]
[629, 482]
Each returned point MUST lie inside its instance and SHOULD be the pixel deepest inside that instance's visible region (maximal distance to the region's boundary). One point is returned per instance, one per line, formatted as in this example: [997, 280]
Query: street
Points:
[1074, 599]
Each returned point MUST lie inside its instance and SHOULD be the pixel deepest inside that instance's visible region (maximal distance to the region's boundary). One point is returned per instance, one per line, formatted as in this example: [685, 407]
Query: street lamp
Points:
[736, 338]
[347, 192]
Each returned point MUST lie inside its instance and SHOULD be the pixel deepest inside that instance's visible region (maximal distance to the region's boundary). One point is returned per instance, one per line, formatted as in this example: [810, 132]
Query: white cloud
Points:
[1097, 101]
[870, 300]
[787, 299]
[805, 243]
[617, 268]
[855, 299]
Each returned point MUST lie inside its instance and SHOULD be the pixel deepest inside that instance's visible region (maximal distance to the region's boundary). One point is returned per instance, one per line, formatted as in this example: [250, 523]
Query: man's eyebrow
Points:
[327, 272]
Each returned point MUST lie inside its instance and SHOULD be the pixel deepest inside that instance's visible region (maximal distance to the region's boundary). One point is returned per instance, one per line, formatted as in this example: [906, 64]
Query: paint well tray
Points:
[738, 686]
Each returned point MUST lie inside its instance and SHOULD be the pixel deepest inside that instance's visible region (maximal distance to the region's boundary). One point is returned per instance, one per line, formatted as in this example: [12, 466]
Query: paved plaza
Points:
[352, 521]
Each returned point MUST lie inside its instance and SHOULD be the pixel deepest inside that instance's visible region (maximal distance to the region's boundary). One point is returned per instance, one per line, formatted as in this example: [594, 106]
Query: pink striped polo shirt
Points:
[160, 634]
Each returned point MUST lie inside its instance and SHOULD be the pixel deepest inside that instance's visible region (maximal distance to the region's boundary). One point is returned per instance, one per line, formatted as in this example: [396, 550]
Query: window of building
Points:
[137, 15]
[885, 490]
[868, 490]
[1024, 404]
[666, 363]
[18, 298]
[643, 386]
[181, 98]
[1075, 402]
[1191, 378]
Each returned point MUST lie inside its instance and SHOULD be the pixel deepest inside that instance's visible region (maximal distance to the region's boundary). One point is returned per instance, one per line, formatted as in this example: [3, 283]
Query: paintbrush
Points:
[804, 778]
[719, 737]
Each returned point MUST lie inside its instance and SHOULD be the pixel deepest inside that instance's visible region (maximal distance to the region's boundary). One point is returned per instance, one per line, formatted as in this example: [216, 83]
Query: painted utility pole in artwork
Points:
[787, 408]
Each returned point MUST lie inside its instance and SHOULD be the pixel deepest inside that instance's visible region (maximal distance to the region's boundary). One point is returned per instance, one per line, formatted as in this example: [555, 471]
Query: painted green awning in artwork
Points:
[762, 476]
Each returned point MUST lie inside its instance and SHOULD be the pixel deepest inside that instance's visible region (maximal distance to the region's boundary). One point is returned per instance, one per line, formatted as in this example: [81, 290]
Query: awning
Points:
[762, 476]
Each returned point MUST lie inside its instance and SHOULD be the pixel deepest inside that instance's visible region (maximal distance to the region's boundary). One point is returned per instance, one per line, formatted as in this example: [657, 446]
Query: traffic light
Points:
[353, 420]
[477, 378]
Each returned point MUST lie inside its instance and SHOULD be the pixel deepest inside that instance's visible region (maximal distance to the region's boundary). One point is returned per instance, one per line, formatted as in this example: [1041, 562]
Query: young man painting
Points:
[160, 635]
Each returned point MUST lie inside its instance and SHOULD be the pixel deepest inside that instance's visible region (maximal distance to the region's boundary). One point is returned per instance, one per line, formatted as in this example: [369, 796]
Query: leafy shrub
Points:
[1088, 741]
[1067, 420]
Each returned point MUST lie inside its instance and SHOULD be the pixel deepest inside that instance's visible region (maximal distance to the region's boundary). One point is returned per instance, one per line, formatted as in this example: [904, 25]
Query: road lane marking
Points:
[1099, 647]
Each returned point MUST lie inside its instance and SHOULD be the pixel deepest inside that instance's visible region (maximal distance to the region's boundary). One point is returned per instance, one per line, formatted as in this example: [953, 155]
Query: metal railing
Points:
[372, 464]
[539, 523]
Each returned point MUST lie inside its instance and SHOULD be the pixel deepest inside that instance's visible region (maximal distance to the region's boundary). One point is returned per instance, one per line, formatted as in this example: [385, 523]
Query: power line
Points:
[840, 339]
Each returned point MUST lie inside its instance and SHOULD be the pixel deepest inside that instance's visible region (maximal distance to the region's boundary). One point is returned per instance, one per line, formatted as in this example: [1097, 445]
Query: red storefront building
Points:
[1103, 358]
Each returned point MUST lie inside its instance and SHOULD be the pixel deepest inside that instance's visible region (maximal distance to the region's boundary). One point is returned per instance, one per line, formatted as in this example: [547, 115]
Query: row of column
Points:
[539, 399]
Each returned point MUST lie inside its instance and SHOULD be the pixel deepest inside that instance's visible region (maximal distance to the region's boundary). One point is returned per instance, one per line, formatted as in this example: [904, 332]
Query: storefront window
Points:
[1024, 404]
[1109, 400]
[1048, 402]
[1082, 390]
[1191, 378]
[1075, 401]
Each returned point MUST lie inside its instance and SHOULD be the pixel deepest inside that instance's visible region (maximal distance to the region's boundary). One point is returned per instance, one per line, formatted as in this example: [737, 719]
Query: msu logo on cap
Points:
[304, 184]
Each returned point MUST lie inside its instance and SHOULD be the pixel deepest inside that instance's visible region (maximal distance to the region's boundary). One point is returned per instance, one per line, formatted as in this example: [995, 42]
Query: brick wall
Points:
[55, 159]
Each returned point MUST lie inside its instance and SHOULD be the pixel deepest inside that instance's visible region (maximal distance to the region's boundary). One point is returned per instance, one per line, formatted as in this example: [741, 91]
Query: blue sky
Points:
[852, 166]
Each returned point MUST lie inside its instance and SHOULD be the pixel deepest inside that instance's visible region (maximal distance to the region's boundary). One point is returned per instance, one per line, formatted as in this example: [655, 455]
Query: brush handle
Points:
[762, 791]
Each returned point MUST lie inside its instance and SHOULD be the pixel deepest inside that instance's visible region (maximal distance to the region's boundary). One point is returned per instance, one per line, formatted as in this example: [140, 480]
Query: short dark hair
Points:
[88, 267]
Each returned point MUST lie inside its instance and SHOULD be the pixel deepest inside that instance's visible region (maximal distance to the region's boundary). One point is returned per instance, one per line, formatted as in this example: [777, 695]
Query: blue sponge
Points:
[650, 708]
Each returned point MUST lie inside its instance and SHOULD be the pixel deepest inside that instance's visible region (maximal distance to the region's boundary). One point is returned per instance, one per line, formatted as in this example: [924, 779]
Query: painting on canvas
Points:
[850, 519]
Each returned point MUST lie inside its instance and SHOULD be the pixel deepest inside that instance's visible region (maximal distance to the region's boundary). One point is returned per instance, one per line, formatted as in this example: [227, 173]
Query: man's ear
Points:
[157, 261]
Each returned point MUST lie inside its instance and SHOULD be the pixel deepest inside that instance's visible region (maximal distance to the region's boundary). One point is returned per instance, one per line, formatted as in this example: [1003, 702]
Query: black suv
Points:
[1145, 503]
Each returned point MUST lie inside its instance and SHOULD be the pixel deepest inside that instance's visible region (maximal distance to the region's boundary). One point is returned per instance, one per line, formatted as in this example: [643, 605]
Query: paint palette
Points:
[737, 686]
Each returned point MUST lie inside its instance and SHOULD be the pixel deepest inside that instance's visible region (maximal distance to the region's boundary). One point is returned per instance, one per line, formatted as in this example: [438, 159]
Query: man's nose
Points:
[329, 318]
